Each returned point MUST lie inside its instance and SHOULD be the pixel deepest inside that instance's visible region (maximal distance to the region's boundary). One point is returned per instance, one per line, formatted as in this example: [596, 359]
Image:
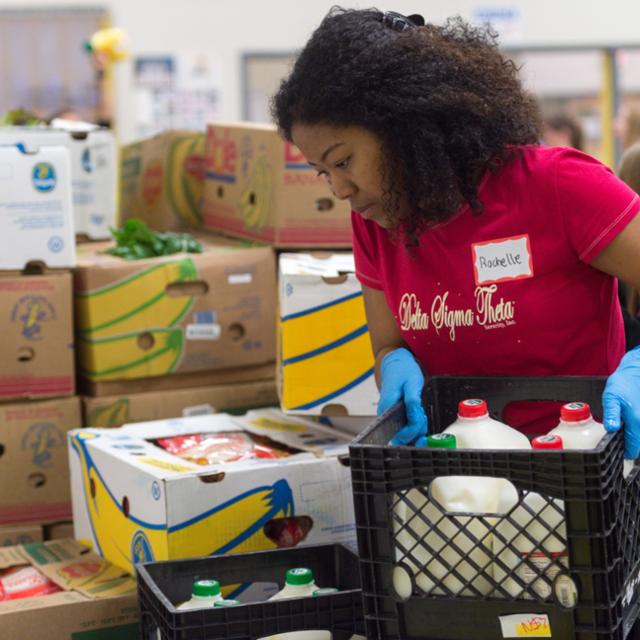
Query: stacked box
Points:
[34, 462]
[174, 314]
[260, 187]
[161, 180]
[134, 501]
[325, 361]
[92, 154]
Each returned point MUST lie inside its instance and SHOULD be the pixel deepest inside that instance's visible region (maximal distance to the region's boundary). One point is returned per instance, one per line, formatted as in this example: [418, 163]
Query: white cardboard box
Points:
[325, 360]
[93, 156]
[134, 501]
[36, 219]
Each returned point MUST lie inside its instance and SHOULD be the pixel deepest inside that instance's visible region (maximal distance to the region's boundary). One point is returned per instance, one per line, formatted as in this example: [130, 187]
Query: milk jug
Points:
[533, 532]
[577, 427]
[299, 583]
[430, 535]
[204, 593]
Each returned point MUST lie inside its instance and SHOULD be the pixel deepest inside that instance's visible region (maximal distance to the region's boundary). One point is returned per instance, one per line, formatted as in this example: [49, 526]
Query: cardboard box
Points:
[114, 411]
[134, 501]
[36, 335]
[36, 215]
[58, 530]
[161, 180]
[174, 314]
[93, 157]
[34, 463]
[326, 364]
[257, 186]
[97, 601]
[171, 382]
[11, 535]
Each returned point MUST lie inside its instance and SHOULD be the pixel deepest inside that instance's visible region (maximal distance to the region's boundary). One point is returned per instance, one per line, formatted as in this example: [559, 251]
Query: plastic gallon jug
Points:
[204, 593]
[531, 541]
[299, 583]
[475, 429]
[577, 427]
[443, 549]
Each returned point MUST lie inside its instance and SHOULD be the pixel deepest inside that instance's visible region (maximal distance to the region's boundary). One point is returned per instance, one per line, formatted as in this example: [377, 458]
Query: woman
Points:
[479, 251]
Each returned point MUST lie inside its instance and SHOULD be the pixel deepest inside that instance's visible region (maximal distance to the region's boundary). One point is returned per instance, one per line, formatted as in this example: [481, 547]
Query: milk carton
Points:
[204, 594]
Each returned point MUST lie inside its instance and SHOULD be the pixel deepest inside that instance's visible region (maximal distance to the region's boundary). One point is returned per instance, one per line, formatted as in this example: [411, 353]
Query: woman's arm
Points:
[384, 332]
[621, 257]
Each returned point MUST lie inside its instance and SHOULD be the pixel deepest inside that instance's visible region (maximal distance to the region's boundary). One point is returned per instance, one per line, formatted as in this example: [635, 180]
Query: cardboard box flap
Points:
[306, 264]
[41, 602]
[73, 567]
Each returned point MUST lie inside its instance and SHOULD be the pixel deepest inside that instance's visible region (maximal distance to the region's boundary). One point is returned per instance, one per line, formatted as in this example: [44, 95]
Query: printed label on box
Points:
[525, 625]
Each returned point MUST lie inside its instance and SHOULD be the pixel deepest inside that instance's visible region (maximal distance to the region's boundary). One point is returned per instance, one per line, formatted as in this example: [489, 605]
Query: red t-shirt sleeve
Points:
[365, 253]
[594, 204]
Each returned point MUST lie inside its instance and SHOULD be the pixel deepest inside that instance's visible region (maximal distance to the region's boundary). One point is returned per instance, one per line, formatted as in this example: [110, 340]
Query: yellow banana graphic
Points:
[234, 526]
[185, 184]
[326, 351]
[110, 415]
[255, 200]
[122, 357]
[136, 302]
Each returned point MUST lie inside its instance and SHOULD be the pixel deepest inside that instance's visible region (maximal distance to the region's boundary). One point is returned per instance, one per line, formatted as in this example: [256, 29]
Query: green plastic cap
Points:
[227, 603]
[299, 576]
[442, 441]
[325, 591]
[206, 588]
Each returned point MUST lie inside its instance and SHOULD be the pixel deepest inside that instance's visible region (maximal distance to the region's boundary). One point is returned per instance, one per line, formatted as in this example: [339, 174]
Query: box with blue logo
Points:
[167, 489]
[93, 166]
[36, 214]
[325, 360]
[36, 335]
[34, 467]
[260, 187]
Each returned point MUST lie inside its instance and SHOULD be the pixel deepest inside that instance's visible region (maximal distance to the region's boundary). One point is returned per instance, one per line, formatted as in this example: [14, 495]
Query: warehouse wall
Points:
[228, 28]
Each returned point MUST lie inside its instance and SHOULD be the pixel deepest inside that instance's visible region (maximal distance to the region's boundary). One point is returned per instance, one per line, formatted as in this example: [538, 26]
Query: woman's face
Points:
[350, 158]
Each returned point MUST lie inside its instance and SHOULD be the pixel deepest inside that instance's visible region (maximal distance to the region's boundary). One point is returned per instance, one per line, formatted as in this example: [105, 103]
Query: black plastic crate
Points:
[600, 508]
[162, 585]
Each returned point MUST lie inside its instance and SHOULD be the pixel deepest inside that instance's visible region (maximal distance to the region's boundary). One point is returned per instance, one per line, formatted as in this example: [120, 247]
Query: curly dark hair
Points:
[443, 101]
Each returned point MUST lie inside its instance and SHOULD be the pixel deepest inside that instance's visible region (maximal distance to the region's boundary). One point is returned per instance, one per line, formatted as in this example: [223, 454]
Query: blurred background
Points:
[194, 61]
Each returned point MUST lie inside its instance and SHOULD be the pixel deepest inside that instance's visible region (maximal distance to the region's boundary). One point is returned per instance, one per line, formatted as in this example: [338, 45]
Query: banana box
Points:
[174, 314]
[36, 214]
[83, 596]
[260, 187]
[36, 335]
[133, 501]
[114, 411]
[161, 180]
[34, 469]
[325, 360]
[93, 157]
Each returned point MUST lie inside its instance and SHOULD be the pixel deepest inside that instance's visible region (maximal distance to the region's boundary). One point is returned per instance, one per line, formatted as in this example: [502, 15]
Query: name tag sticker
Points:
[502, 260]
[526, 625]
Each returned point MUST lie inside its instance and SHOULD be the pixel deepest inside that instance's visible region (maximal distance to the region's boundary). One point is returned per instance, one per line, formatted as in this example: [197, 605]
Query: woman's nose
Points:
[342, 188]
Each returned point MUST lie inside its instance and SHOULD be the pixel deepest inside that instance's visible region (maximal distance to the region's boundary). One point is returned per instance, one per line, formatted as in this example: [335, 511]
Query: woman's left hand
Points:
[621, 402]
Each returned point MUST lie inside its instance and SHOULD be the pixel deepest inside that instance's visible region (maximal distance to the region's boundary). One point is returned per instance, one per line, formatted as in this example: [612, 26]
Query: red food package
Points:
[25, 582]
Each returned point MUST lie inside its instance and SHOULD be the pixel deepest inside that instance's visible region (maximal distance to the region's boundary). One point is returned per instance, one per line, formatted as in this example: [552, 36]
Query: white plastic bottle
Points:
[531, 540]
[475, 429]
[299, 583]
[577, 427]
[204, 593]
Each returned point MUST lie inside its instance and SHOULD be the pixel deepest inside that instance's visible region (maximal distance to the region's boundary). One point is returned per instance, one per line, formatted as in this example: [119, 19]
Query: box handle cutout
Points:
[211, 478]
[324, 204]
[145, 341]
[37, 480]
[220, 192]
[288, 532]
[194, 288]
[26, 354]
[125, 507]
[236, 331]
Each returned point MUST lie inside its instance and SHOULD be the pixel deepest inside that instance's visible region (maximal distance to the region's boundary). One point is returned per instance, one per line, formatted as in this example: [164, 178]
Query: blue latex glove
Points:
[621, 402]
[402, 379]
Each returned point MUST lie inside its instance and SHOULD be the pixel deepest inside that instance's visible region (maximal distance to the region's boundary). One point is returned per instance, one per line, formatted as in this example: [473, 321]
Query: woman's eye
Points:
[321, 174]
[343, 164]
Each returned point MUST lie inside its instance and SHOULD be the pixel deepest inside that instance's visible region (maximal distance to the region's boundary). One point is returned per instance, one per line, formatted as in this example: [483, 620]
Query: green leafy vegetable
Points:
[135, 240]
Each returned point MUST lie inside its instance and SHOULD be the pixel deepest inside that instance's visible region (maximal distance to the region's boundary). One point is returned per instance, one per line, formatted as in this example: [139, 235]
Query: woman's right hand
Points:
[402, 379]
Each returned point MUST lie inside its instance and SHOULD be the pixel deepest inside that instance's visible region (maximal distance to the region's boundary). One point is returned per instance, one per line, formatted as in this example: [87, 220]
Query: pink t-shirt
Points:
[511, 291]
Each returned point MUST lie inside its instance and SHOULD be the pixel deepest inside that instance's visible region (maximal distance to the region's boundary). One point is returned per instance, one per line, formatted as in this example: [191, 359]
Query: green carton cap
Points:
[206, 588]
[299, 576]
[441, 441]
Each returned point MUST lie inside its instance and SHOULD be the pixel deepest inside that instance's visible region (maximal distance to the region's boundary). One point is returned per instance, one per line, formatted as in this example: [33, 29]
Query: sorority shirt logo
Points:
[489, 312]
